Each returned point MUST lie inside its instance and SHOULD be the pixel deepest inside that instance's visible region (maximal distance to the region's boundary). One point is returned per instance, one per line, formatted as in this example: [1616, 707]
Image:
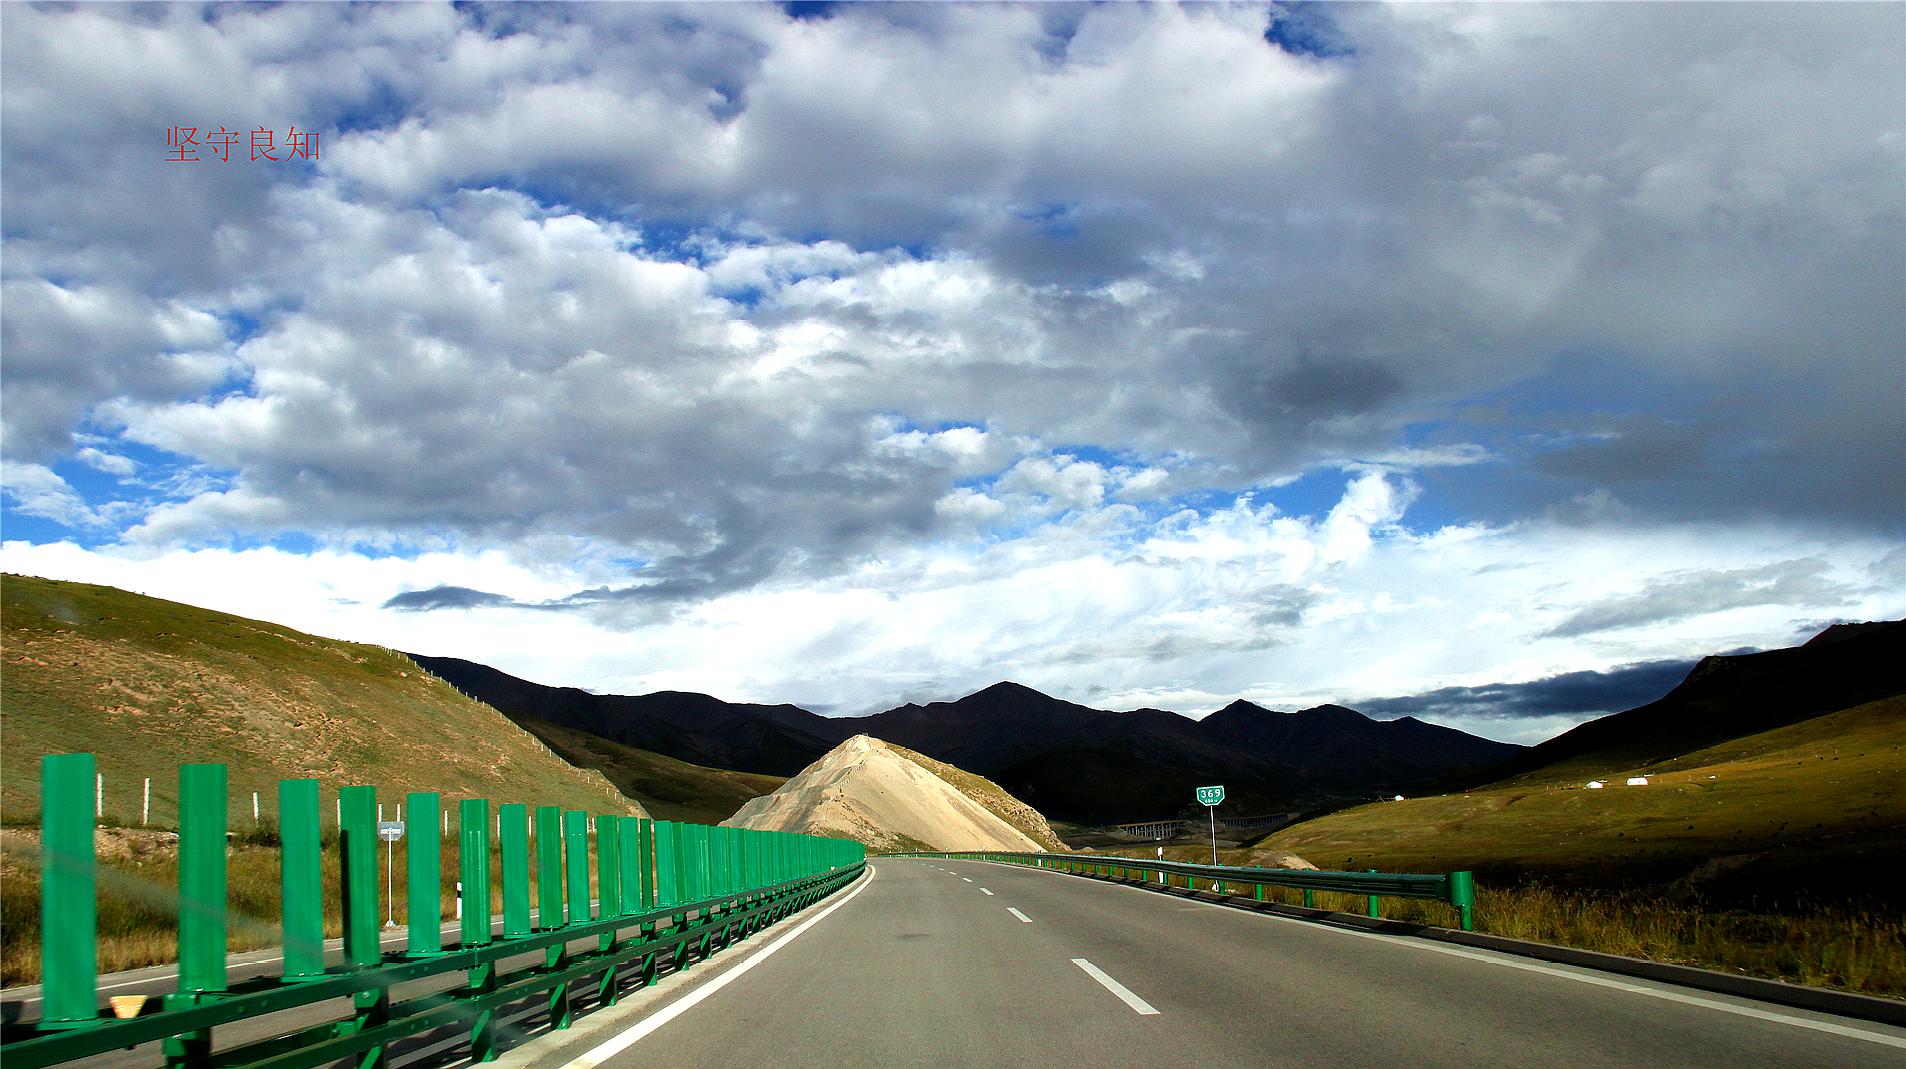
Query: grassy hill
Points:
[669, 789]
[1723, 698]
[1811, 809]
[147, 685]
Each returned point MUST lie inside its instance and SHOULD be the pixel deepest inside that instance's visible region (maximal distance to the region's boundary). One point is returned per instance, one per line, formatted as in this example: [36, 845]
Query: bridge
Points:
[1165, 829]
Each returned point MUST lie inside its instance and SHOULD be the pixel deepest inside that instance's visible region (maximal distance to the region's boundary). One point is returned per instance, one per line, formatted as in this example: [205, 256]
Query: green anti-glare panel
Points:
[645, 861]
[473, 868]
[69, 901]
[423, 852]
[629, 837]
[513, 844]
[665, 863]
[202, 801]
[300, 881]
[609, 866]
[549, 867]
[357, 876]
[576, 863]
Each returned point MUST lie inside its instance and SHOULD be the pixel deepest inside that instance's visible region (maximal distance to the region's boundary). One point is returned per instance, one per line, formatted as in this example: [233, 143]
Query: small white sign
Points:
[390, 830]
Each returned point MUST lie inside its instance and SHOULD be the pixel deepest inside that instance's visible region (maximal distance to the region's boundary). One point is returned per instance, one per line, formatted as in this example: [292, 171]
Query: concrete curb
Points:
[1821, 999]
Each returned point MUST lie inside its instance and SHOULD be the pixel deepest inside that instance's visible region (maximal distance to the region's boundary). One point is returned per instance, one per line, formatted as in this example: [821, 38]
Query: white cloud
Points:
[1241, 602]
[749, 319]
[37, 490]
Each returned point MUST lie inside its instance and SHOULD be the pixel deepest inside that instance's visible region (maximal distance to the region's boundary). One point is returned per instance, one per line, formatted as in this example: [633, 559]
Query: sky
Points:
[1485, 363]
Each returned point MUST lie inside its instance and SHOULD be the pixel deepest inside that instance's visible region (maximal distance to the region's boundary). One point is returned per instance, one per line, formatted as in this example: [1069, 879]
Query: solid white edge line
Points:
[1138, 1005]
[1023, 918]
[609, 1049]
[1527, 966]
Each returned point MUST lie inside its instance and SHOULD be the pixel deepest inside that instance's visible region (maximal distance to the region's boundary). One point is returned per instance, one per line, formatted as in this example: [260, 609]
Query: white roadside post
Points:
[1210, 798]
[145, 808]
[390, 831]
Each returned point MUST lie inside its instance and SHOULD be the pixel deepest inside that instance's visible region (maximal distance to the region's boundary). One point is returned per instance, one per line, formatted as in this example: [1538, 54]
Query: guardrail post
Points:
[513, 844]
[357, 849]
[473, 872]
[1373, 901]
[69, 895]
[1310, 898]
[300, 877]
[549, 902]
[609, 890]
[1462, 895]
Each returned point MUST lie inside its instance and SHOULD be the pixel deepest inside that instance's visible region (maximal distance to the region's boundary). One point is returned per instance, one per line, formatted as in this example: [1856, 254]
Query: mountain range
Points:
[1070, 761]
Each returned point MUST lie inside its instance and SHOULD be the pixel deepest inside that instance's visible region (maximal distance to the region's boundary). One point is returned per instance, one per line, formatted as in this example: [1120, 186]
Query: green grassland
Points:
[147, 685]
[669, 789]
[1810, 810]
[1771, 855]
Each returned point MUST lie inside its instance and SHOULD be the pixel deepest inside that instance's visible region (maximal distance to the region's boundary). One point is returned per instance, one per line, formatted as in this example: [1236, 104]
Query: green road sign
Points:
[1211, 795]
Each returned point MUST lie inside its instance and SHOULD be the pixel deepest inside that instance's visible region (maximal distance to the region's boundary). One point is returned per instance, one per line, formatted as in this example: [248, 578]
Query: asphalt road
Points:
[949, 963]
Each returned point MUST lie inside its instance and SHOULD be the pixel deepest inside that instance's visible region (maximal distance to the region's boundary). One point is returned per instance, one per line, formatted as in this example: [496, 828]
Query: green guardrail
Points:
[1456, 889]
[665, 891]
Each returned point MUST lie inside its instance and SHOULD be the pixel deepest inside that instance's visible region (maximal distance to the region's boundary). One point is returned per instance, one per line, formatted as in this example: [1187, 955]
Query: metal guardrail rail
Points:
[662, 888]
[1456, 889]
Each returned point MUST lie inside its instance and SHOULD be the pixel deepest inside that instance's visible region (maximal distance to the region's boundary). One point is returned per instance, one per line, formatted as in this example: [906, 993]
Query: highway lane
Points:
[970, 964]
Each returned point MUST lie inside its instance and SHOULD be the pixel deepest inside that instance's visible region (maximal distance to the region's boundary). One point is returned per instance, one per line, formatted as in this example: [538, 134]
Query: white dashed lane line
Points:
[1138, 1005]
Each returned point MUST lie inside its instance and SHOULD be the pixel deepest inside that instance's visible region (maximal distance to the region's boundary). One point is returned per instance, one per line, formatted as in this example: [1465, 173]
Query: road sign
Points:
[390, 831]
[1212, 796]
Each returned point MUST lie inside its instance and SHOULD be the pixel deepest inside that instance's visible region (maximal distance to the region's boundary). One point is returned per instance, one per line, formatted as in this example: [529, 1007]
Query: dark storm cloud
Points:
[1569, 694]
[446, 597]
[1687, 594]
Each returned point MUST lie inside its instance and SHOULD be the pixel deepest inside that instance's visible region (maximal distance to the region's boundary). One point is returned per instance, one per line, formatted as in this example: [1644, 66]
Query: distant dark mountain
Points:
[777, 740]
[1093, 766]
[1067, 760]
[1081, 764]
[1403, 750]
[1725, 698]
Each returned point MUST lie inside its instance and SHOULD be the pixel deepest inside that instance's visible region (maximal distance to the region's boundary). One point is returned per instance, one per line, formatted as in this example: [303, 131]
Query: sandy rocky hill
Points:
[893, 799]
